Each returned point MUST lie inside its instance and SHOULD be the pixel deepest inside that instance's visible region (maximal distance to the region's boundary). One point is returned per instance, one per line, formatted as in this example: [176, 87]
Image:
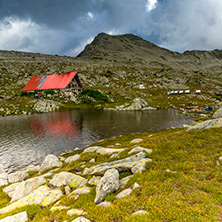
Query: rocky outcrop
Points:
[66, 178]
[108, 184]
[45, 106]
[207, 124]
[20, 217]
[138, 104]
[135, 163]
[42, 196]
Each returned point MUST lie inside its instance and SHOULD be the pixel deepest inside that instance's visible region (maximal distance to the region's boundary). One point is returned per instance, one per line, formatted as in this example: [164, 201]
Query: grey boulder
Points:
[108, 184]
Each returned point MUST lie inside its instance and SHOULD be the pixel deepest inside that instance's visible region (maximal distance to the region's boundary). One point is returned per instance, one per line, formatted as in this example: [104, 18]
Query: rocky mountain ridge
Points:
[123, 62]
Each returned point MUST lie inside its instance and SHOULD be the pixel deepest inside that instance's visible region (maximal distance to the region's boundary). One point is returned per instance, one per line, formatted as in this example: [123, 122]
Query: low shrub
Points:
[49, 91]
[95, 94]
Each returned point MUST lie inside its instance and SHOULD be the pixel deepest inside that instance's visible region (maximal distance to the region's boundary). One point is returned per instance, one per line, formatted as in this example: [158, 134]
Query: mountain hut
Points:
[65, 81]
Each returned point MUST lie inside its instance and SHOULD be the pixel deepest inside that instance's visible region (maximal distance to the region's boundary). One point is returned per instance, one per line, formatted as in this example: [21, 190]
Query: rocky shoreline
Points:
[46, 188]
[56, 177]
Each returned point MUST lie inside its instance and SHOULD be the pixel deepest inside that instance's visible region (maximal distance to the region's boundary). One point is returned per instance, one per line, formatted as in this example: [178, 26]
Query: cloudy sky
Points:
[64, 27]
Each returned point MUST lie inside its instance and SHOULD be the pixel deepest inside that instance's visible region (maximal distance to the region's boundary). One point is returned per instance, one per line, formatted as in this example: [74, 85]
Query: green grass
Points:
[193, 193]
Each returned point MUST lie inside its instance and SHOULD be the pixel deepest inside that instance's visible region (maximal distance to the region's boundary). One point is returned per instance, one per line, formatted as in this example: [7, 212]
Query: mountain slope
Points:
[131, 48]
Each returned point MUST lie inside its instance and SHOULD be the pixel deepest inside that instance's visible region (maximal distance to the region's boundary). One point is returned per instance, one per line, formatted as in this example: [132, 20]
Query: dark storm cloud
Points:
[65, 26]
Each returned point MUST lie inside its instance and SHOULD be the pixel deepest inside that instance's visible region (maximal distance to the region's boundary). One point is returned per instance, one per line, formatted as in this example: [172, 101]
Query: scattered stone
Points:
[104, 204]
[18, 176]
[59, 208]
[94, 180]
[61, 158]
[102, 150]
[110, 146]
[19, 190]
[114, 155]
[140, 166]
[81, 219]
[72, 158]
[140, 149]
[47, 174]
[32, 168]
[93, 160]
[140, 212]
[76, 149]
[124, 193]
[54, 170]
[124, 181]
[73, 212]
[148, 108]
[66, 178]
[136, 141]
[67, 190]
[135, 163]
[135, 186]
[42, 196]
[3, 179]
[109, 183]
[50, 162]
[46, 106]
[118, 144]
[169, 171]
[220, 158]
[81, 190]
[20, 217]
[92, 149]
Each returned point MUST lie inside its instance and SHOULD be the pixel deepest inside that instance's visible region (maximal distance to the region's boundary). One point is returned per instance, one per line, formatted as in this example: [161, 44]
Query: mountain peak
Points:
[127, 47]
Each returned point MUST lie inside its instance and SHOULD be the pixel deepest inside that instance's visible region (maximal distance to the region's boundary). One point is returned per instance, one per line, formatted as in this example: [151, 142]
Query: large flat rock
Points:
[42, 196]
[66, 178]
[135, 162]
[20, 217]
[19, 190]
[207, 124]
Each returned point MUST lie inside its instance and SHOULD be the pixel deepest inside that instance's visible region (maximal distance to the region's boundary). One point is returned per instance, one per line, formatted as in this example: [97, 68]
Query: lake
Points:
[27, 140]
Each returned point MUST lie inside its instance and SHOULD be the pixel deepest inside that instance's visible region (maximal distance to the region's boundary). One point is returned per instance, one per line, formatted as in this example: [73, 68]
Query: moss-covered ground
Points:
[182, 183]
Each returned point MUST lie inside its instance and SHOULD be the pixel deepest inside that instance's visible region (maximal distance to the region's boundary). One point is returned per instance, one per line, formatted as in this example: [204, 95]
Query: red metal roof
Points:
[56, 81]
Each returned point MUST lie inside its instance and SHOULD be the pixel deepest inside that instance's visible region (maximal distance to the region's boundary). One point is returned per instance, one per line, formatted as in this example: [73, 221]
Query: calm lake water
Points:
[27, 140]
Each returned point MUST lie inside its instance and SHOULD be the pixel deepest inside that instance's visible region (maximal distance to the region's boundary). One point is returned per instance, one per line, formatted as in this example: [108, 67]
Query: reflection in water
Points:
[28, 139]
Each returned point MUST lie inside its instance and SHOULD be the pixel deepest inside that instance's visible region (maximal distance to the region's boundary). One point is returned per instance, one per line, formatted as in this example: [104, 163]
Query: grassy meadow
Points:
[182, 183]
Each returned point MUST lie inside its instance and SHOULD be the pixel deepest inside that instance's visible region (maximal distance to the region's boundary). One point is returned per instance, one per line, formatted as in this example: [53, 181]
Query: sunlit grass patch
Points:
[182, 183]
